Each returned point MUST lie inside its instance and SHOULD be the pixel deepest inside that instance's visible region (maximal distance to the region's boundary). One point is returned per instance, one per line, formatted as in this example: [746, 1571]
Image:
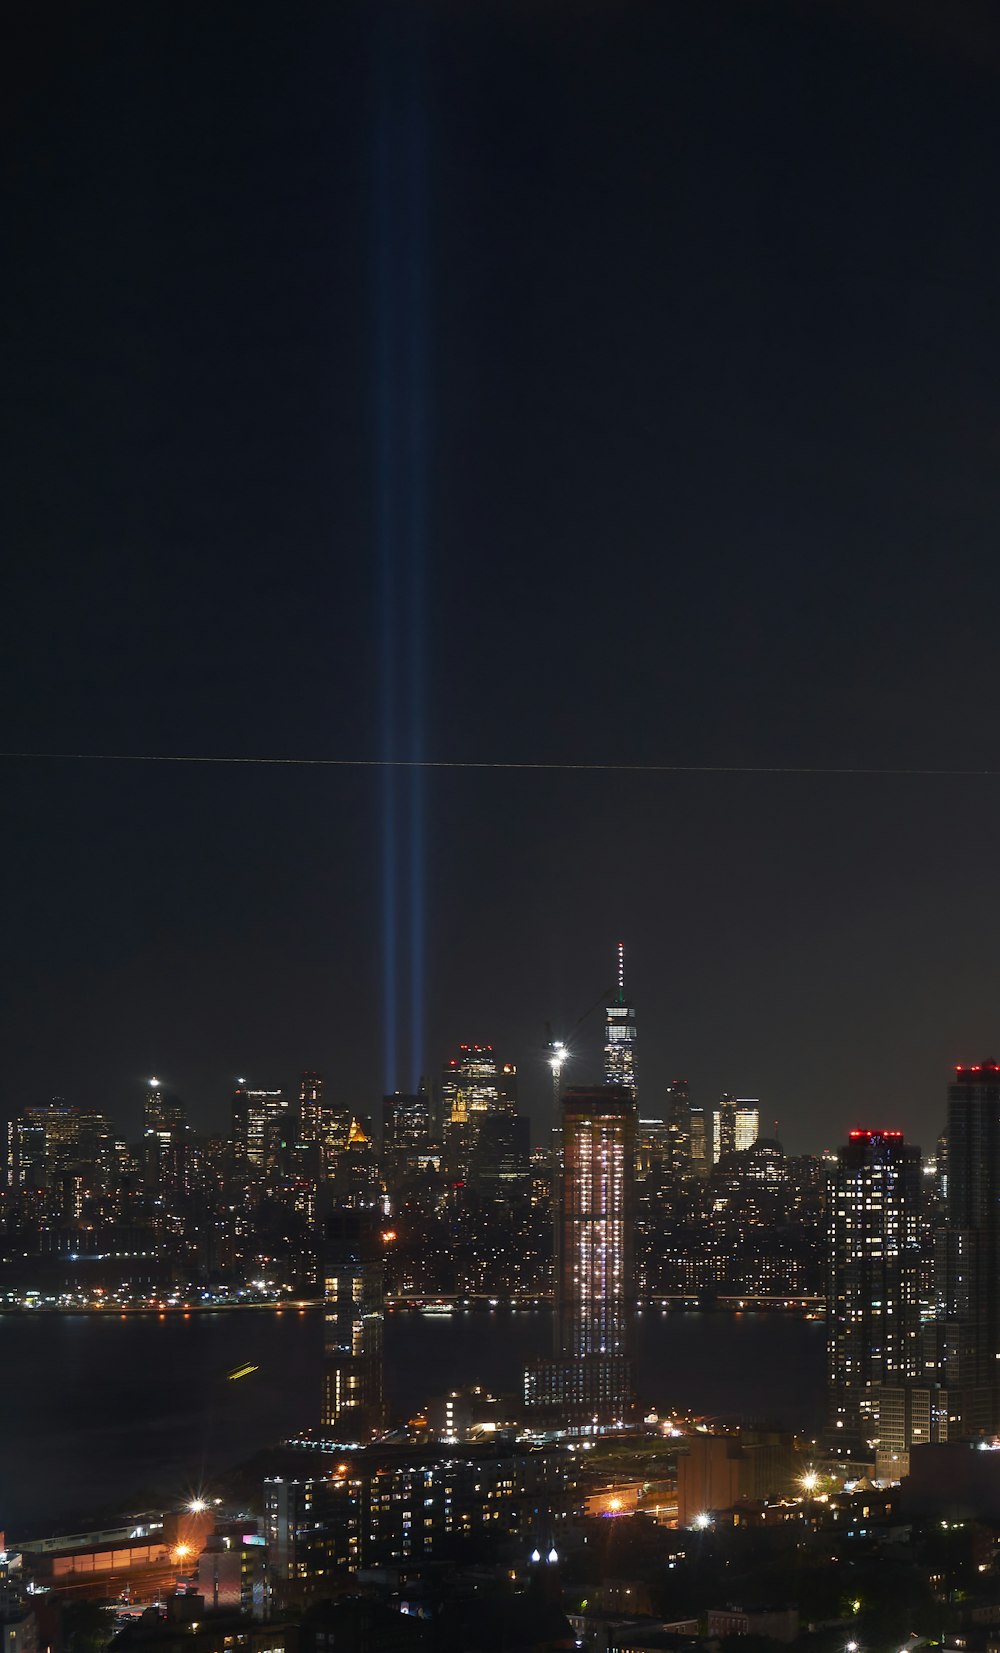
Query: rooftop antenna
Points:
[621, 972]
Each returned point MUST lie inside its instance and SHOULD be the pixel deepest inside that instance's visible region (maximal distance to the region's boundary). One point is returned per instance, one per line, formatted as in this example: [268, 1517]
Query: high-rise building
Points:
[260, 1119]
[406, 1119]
[701, 1140]
[474, 1084]
[723, 1128]
[747, 1122]
[353, 1317]
[968, 1259]
[310, 1107]
[679, 1154]
[620, 1036]
[165, 1143]
[735, 1125]
[874, 1319]
[60, 1122]
[588, 1386]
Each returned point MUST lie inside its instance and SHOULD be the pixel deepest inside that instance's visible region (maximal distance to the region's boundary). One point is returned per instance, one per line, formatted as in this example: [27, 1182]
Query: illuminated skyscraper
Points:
[474, 1085]
[873, 1323]
[747, 1122]
[619, 1036]
[166, 1159]
[588, 1386]
[735, 1125]
[260, 1122]
[353, 1315]
[678, 1130]
[406, 1119]
[310, 1107]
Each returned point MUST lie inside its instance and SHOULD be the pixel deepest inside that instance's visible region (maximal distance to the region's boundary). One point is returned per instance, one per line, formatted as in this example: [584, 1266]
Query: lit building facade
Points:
[588, 1385]
[873, 1318]
[260, 1121]
[747, 1122]
[678, 1130]
[473, 1086]
[310, 1107]
[735, 1125]
[388, 1504]
[353, 1321]
[406, 1119]
[620, 1036]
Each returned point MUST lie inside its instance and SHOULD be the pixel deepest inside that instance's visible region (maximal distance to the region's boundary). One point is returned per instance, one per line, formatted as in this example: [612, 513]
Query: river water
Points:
[134, 1413]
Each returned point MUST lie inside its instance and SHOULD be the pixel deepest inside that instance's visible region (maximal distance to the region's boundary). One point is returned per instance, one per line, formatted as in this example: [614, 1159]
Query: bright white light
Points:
[810, 1481]
[155, 1084]
[197, 1505]
[553, 1555]
[702, 1521]
[535, 1556]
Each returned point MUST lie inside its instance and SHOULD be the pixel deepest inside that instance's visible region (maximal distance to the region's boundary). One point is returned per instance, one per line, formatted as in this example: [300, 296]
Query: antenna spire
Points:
[621, 972]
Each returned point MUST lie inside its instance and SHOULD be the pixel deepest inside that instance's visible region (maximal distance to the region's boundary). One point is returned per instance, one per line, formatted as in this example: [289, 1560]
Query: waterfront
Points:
[104, 1411]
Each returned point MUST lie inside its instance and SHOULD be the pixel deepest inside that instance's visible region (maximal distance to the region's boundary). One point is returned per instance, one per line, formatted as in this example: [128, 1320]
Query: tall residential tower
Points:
[968, 1263]
[873, 1320]
[587, 1387]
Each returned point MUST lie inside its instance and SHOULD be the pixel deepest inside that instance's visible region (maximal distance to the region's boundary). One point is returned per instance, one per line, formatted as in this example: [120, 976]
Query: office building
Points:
[620, 1036]
[735, 1125]
[701, 1141]
[968, 1258]
[588, 1385]
[260, 1126]
[353, 1318]
[679, 1156]
[909, 1415]
[406, 1120]
[747, 1122]
[473, 1086]
[310, 1107]
[873, 1320]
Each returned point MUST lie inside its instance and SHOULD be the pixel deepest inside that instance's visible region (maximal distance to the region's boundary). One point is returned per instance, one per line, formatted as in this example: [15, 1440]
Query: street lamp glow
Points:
[197, 1506]
[810, 1481]
[702, 1521]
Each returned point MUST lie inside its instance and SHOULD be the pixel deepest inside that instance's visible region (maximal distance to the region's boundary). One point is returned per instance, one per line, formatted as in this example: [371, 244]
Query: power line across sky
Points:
[505, 764]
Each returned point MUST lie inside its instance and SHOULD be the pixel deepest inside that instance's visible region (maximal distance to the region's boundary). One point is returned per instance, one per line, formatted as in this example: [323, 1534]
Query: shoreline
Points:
[806, 1307]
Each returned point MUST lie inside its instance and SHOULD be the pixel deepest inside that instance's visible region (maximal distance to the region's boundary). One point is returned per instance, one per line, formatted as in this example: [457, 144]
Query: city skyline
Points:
[712, 417]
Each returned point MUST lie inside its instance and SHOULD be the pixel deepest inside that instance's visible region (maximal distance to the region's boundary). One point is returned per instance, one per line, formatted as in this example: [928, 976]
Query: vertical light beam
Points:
[401, 510]
[385, 533]
[417, 414]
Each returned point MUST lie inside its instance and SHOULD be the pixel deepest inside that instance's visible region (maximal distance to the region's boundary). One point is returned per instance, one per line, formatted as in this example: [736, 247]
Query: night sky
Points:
[597, 383]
